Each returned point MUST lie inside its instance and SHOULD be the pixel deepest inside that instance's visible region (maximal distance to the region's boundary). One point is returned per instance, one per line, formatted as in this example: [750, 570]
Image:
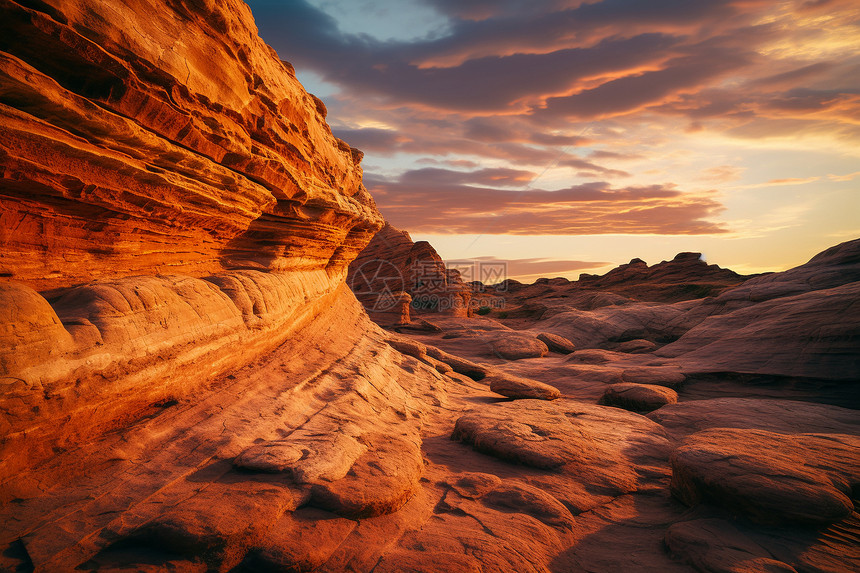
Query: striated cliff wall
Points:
[164, 137]
[172, 205]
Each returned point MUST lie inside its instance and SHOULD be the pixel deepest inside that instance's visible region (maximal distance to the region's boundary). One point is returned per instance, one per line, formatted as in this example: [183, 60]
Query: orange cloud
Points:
[446, 201]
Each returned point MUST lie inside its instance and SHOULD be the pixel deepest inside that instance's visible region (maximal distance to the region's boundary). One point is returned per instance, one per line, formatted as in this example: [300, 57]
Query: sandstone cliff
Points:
[172, 204]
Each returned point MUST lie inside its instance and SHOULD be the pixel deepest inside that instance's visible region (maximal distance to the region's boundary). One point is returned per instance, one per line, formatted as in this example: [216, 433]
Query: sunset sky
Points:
[570, 136]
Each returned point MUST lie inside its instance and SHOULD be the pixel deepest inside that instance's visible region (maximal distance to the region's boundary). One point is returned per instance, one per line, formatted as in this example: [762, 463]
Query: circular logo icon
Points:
[378, 283]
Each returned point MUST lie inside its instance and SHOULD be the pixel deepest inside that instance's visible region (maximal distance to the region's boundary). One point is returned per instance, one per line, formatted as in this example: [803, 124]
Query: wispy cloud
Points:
[594, 94]
[780, 182]
[846, 177]
[447, 201]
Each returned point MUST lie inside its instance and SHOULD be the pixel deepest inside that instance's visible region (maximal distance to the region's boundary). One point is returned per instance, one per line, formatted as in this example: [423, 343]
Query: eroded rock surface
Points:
[180, 222]
[136, 132]
[187, 384]
[770, 478]
[714, 545]
[597, 449]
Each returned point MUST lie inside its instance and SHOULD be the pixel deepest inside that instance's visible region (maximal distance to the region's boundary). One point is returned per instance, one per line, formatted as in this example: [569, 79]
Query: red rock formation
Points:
[165, 140]
[685, 277]
[129, 152]
[802, 322]
[187, 384]
[391, 264]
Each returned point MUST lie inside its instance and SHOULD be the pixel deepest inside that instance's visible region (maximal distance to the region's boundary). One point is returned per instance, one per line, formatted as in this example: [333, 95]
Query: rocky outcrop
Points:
[125, 151]
[188, 384]
[216, 477]
[392, 264]
[800, 323]
[685, 277]
[158, 220]
[839, 265]
[768, 477]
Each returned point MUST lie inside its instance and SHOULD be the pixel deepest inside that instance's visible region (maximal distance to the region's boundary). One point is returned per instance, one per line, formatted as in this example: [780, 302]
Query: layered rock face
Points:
[392, 265]
[153, 138]
[172, 204]
[801, 322]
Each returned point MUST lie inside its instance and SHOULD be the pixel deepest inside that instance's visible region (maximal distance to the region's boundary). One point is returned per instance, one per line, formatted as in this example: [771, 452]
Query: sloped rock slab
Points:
[220, 516]
[784, 416]
[380, 482]
[520, 388]
[715, 545]
[667, 376]
[459, 365]
[770, 478]
[403, 561]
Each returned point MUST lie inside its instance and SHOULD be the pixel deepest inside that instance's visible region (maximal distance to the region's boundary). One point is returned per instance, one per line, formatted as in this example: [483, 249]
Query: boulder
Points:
[380, 481]
[556, 343]
[520, 388]
[463, 366]
[638, 397]
[517, 346]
